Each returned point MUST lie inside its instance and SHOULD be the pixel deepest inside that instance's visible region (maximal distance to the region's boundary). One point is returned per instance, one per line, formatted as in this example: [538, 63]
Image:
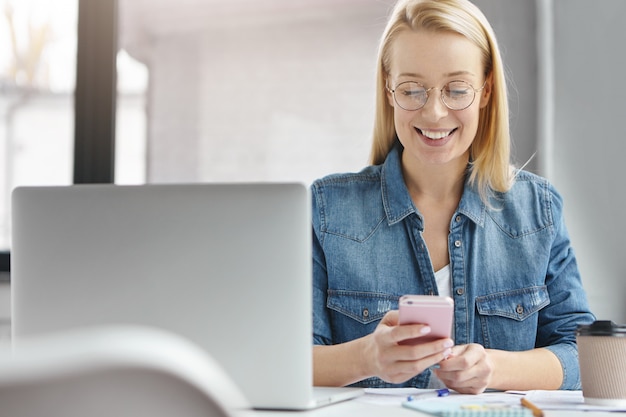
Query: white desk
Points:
[359, 408]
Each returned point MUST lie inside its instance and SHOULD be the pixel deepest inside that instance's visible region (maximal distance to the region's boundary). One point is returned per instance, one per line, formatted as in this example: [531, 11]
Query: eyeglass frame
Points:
[427, 91]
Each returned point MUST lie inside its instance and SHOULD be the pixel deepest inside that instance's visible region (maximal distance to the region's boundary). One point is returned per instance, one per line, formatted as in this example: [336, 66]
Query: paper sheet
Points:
[547, 400]
[396, 396]
[565, 400]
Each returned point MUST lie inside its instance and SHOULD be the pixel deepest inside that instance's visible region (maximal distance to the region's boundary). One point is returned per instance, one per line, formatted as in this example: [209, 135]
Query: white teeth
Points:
[435, 135]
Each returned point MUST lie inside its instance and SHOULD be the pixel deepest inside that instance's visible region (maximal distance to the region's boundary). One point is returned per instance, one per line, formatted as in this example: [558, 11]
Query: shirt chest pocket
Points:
[357, 307]
[508, 319]
[516, 304]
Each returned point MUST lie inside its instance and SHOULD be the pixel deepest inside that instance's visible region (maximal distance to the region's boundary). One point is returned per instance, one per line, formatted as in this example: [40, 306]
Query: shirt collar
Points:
[472, 205]
[398, 203]
[396, 199]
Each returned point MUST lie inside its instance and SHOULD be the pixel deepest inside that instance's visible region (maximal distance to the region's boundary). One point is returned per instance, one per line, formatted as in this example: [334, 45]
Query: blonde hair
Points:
[490, 167]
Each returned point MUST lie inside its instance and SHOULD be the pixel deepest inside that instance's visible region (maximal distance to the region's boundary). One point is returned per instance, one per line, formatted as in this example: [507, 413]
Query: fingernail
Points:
[425, 330]
[448, 343]
[447, 353]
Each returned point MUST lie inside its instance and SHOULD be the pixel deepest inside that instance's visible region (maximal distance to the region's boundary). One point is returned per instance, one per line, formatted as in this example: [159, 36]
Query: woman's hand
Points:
[395, 362]
[467, 370]
[471, 369]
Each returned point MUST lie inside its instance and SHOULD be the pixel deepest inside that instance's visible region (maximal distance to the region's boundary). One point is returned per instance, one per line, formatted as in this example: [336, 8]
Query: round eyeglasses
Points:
[455, 95]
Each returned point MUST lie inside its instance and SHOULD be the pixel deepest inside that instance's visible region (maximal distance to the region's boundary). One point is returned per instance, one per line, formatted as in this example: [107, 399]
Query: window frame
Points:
[96, 91]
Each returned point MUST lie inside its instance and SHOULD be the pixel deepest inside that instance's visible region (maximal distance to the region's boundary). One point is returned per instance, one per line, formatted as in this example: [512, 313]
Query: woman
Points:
[441, 211]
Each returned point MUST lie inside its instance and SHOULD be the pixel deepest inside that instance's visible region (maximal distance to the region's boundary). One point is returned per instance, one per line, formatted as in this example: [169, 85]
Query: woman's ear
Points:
[388, 92]
[485, 94]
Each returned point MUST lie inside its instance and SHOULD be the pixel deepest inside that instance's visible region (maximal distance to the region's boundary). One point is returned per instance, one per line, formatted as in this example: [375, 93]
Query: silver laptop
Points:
[226, 265]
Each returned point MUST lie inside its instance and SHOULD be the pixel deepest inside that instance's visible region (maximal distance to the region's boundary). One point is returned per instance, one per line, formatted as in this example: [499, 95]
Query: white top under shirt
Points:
[444, 281]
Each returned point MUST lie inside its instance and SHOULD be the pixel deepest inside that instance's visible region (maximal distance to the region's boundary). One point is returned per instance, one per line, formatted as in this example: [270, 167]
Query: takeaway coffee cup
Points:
[602, 359]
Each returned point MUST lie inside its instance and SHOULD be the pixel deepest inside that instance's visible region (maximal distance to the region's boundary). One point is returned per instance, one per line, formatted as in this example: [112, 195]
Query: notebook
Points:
[442, 409]
[228, 266]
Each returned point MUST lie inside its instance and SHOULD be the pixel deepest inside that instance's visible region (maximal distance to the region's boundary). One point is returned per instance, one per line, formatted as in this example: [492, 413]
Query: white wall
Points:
[284, 96]
[590, 142]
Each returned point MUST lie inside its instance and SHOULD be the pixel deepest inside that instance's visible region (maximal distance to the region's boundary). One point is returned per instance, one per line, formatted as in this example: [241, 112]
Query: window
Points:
[37, 78]
[130, 133]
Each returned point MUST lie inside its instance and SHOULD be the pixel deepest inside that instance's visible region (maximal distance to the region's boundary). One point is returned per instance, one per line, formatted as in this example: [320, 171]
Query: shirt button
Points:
[519, 309]
[460, 291]
[366, 313]
[458, 219]
[457, 243]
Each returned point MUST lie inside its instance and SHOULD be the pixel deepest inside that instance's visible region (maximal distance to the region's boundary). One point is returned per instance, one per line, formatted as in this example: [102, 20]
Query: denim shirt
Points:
[515, 281]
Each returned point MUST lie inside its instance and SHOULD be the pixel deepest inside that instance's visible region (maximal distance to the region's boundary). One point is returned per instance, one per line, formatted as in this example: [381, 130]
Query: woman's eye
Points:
[456, 93]
[413, 93]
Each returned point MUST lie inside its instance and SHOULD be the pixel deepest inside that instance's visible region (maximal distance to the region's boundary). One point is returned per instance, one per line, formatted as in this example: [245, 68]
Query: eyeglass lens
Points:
[456, 95]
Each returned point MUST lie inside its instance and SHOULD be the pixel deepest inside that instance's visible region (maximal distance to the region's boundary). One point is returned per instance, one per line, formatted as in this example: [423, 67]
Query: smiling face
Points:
[434, 134]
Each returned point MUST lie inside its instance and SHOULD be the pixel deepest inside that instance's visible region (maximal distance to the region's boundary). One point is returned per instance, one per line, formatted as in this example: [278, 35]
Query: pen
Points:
[430, 394]
[537, 412]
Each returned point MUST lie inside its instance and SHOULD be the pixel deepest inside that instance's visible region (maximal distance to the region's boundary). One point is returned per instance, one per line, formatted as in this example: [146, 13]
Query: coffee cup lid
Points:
[601, 328]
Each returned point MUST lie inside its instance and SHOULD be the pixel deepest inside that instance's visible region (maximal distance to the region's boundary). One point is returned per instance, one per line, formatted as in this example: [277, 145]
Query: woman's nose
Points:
[434, 109]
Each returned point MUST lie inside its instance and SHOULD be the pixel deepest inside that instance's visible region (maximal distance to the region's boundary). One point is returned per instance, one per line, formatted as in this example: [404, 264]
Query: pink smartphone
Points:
[433, 310]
